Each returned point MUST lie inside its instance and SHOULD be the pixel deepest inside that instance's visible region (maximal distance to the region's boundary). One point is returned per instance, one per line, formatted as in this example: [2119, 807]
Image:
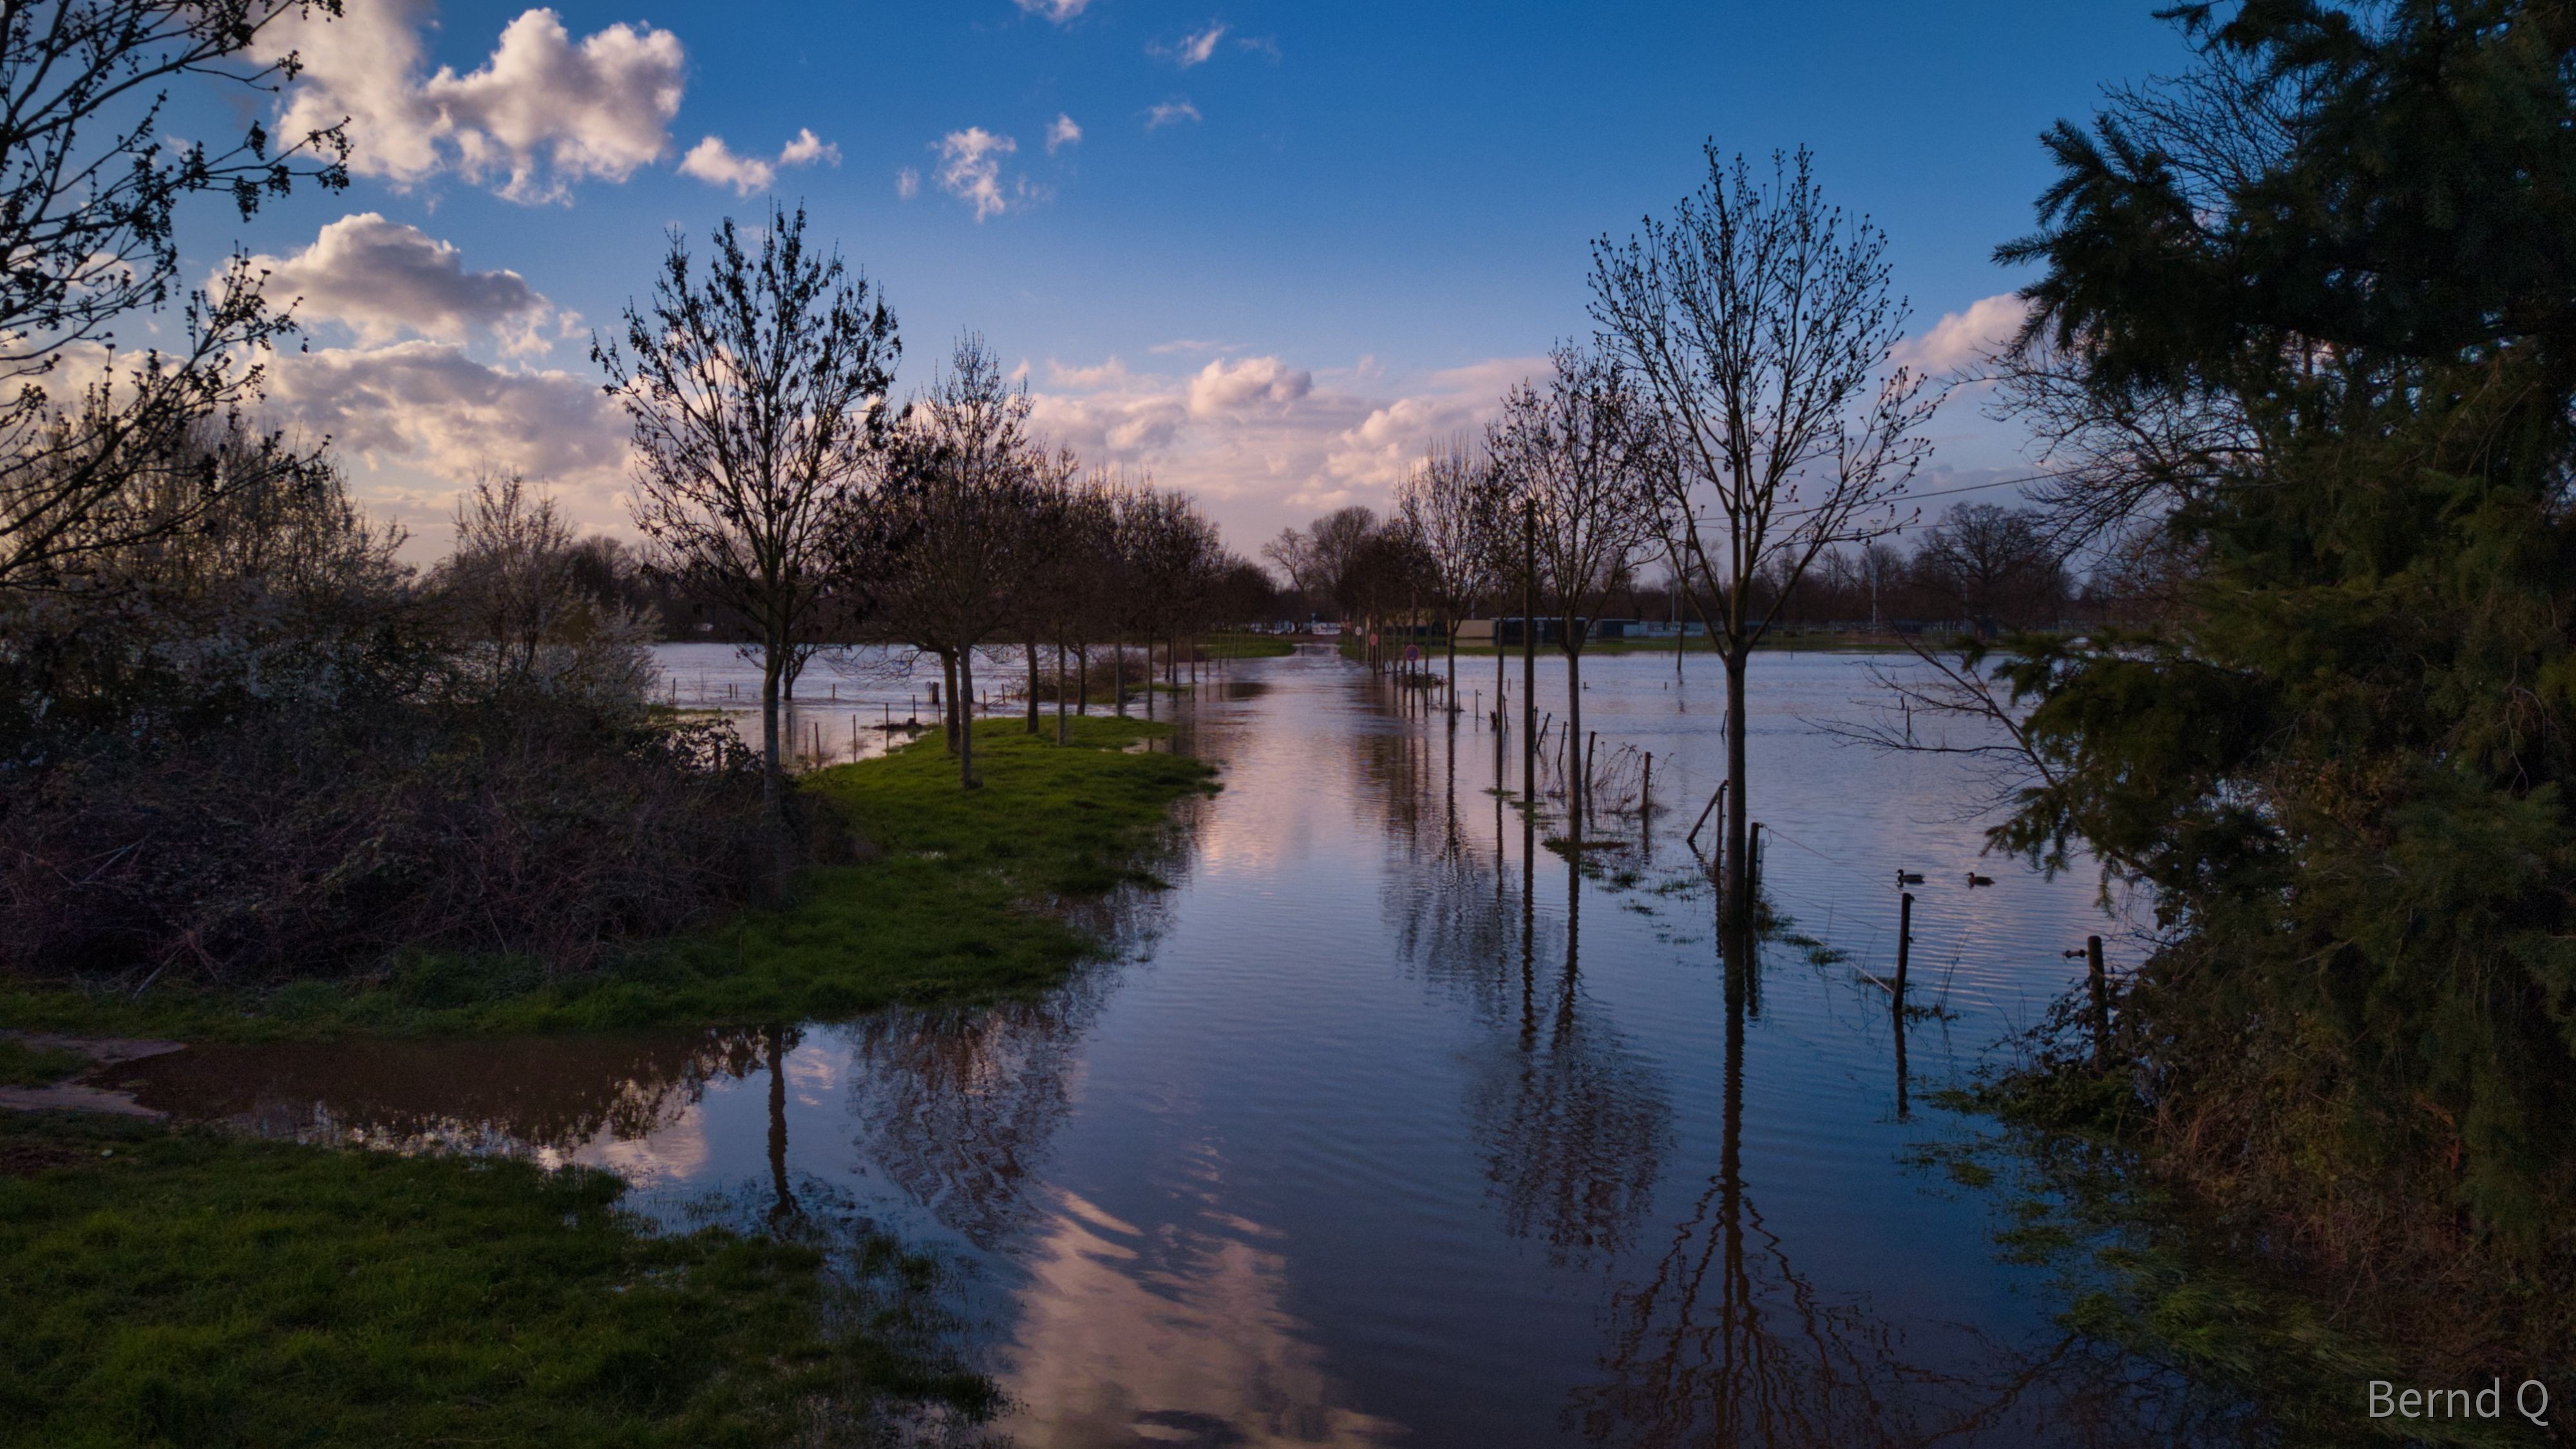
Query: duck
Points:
[1975, 880]
[1909, 877]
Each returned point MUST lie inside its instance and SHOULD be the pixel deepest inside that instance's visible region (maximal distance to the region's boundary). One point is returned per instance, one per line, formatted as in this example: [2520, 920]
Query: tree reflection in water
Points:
[1724, 1343]
[958, 1108]
[1572, 1125]
[1721, 1341]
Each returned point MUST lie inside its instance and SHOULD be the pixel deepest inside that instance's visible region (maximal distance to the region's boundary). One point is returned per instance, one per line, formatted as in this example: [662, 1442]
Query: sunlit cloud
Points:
[1193, 49]
[1062, 133]
[713, 162]
[1171, 113]
[1264, 442]
[1960, 338]
[383, 280]
[542, 112]
[970, 169]
[428, 405]
[1059, 11]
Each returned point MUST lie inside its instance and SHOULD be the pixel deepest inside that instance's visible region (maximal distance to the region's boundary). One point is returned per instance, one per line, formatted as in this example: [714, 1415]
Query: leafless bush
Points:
[263, 855]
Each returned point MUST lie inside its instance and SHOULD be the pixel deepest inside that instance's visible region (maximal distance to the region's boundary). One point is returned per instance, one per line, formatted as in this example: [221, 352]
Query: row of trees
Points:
[776, 478]
[1737, 416]
[1992, 568]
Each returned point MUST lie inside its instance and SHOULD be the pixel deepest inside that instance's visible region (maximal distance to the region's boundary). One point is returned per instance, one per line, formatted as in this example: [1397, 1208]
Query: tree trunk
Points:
[966, 730]
[1033, 684]
[771, 658]
[1739, 904]
[1063, 726]
[1118, 681]
[948, 711]
[1082, 668]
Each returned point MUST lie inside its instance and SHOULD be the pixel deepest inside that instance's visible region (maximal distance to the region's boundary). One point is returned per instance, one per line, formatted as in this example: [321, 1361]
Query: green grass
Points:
[22, 1065]
[185, 1289]
[951, 904]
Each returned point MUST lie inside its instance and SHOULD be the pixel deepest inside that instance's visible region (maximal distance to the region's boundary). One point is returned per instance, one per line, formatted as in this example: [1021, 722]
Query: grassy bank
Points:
[2158, 1287]
[180, 1288]
[950, 900]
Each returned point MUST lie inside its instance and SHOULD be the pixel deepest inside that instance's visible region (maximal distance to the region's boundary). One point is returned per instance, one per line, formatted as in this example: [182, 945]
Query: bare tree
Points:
[510, 581]
[1075, 571]
[1052, 575]
[1167, 552]
[515, 593]
[1443, 502]
[946, 545]
[1571, 459]
[91, 183]
[757, 393]
[1759, 320]
[1994, 564]
[1318, 558]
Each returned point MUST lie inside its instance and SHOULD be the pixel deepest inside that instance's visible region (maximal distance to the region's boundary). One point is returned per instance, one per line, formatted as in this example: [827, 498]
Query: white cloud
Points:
[907, 183]
[1960, 338]
[807, 149]
[428, 405]
[1059, 11]
[970, 169]
[1192, 50]
[1062, 133]
[1108, 374]
[1171, 113]
[716, 164]
[541, 113]
[382, 279]
[1224, 387]
[1265, 443]
[1189, 344]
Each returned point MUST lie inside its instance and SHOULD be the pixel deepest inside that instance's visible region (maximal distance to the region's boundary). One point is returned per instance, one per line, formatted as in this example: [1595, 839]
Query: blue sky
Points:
[1291, 244]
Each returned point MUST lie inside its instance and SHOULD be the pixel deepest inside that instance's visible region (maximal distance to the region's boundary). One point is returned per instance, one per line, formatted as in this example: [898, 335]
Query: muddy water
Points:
[1391, 1126]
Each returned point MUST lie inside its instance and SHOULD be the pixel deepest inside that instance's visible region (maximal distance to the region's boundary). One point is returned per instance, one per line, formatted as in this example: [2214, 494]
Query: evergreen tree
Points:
[2313, 308]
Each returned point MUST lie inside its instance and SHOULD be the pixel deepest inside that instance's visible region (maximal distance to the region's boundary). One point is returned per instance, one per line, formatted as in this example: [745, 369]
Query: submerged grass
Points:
[952, 900]
[22, 1065]
[2158, 1297]
[183, 1288]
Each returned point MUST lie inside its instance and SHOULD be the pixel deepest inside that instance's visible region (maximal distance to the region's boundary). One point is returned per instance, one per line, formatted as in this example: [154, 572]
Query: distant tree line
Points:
[1984, 566]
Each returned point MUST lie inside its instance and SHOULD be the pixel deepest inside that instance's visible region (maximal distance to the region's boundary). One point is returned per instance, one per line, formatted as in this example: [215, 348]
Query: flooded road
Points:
[1392, 1126]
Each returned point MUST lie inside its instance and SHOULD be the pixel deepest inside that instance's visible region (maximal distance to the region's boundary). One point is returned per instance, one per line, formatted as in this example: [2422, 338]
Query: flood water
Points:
[1391, 1126]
